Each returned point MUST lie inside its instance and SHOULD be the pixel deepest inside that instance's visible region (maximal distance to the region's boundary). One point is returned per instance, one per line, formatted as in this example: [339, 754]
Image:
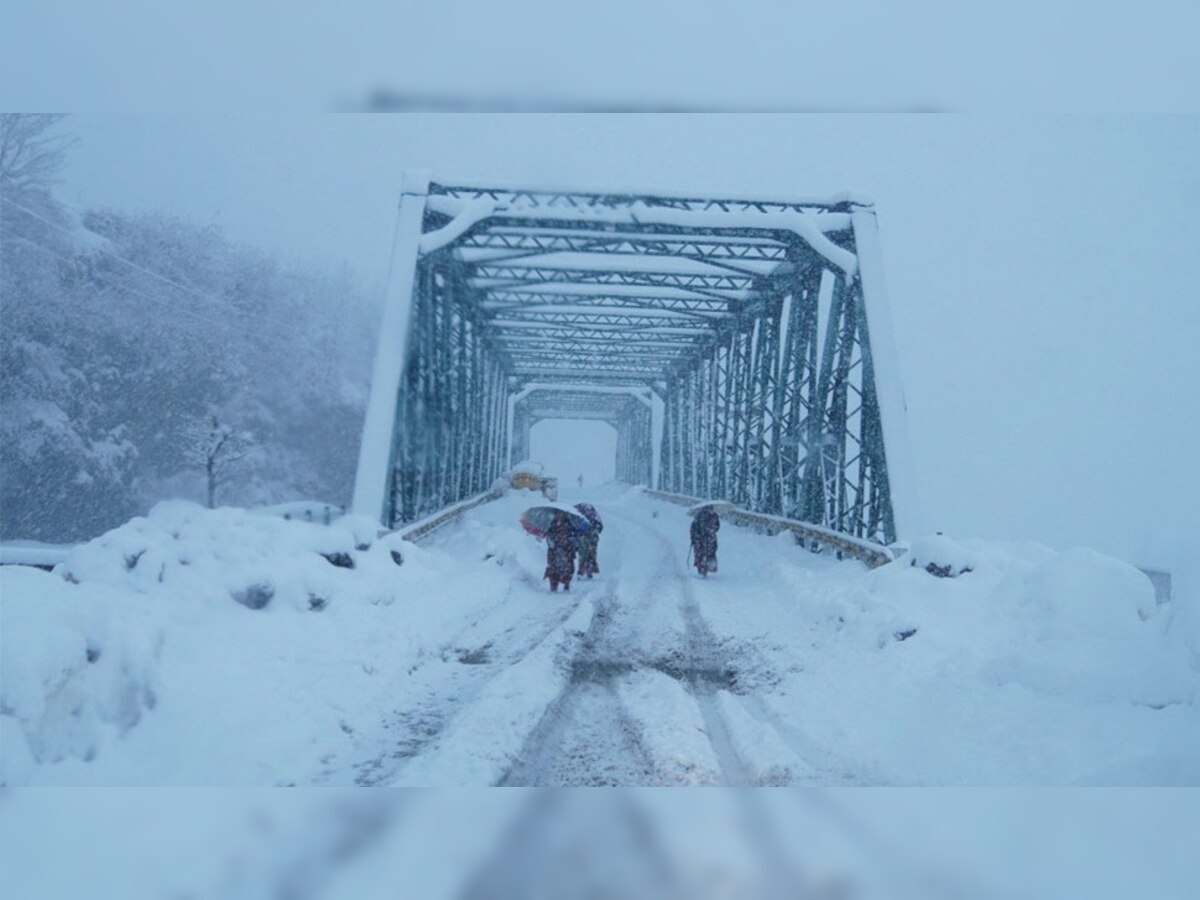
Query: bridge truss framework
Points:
[741, 347]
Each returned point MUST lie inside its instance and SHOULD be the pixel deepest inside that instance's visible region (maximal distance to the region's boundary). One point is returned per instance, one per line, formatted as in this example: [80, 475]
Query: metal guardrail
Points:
[809, 535]
[421, 529]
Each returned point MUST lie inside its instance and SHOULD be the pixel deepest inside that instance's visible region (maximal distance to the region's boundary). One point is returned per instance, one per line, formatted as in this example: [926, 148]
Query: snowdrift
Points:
[1011, 664]
[218, 646]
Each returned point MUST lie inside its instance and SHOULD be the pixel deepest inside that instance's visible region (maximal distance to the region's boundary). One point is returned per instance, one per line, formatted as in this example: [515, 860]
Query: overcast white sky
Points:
[870, 55]
[1042, 269]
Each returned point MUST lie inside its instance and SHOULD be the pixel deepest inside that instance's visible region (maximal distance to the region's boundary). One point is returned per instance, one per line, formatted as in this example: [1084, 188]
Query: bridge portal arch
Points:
[625, 409]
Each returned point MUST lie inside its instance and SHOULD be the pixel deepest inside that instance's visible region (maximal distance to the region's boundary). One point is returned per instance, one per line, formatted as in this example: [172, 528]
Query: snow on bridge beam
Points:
[505, 298]
[586, 357]
[488, 275]
[500, 244]
[609, 261]
[558, 399]
[525, 196]
[637, 339]
[648, 371]
[637, 373]
[600, 306]
[695, 332]
[640, 393]
[602, 321]
[811, 227]
[583, 354]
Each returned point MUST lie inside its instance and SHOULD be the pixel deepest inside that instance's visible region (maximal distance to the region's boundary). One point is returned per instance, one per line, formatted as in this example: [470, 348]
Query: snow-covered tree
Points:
[216, 447]
[115, 328]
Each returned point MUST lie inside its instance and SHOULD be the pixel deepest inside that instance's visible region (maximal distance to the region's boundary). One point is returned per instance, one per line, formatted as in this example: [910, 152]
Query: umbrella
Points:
[717, 506]
[588, 510]
[538, 519]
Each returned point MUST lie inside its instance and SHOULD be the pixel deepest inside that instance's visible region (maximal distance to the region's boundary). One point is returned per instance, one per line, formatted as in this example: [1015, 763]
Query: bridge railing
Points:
[422, 528]
[809, 535]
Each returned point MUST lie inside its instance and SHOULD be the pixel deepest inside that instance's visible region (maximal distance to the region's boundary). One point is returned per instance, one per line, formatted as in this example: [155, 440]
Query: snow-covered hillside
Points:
[199, 646]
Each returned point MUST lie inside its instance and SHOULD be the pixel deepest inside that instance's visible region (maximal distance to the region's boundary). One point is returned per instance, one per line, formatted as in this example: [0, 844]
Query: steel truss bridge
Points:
[742, 348]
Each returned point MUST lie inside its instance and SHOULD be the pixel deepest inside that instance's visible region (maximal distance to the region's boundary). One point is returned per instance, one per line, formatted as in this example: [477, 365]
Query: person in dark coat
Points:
[704, 540]
[560, 553]
[589, 541]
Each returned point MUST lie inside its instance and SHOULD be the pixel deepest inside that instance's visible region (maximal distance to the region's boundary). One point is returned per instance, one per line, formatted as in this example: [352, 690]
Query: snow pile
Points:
[210, 557]
[74, 662]
[1075, 624]
[1031, 666]
[939, 555]
[194, 645]
[302, 510]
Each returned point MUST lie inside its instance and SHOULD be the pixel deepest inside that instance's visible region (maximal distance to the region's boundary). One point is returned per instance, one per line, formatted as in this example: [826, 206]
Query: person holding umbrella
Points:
[589, 541]
[705, 524]
[560, 552]
[562, 527]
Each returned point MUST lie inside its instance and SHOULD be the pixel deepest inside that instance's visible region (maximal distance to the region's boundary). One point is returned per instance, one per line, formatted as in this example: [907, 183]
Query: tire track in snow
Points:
[586, 736]
[771, 752]
[706, 672]
[451, 683]
[590, 735]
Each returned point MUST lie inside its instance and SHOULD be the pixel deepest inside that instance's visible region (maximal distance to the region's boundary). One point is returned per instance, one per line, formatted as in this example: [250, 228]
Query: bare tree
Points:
[216, 448]
[32, 153]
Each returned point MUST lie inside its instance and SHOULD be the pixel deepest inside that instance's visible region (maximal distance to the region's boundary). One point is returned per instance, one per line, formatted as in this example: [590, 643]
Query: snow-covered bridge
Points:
[742, 350]
[741, 346]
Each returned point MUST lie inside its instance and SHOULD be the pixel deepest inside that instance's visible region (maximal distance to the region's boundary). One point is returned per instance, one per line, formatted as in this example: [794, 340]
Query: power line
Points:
[216, 324]
[267, 327]
[125, 287]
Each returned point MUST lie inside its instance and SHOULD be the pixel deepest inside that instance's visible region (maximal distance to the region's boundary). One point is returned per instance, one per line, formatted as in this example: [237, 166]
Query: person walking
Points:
[704, 530]
[560, 553]
[589, 541]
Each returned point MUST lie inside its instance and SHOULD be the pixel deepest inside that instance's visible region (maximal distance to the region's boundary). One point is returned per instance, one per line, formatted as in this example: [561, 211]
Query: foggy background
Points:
[1040, 267]
[772, 55]
[569, 448]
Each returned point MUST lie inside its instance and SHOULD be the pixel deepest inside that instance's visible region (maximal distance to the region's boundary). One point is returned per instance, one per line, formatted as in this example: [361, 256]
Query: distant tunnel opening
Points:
[571, 448]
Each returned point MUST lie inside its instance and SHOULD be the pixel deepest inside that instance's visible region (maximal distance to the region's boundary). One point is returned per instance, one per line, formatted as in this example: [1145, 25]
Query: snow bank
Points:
[1031, 666]
[1076, 624]
[304, 510]
[201, 646]
[939, 555]
[75, 663]
[211, 557]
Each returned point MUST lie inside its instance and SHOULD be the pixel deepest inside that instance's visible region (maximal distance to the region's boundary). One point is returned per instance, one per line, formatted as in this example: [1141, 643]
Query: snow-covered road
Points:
[615, 682]
[219, 647]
